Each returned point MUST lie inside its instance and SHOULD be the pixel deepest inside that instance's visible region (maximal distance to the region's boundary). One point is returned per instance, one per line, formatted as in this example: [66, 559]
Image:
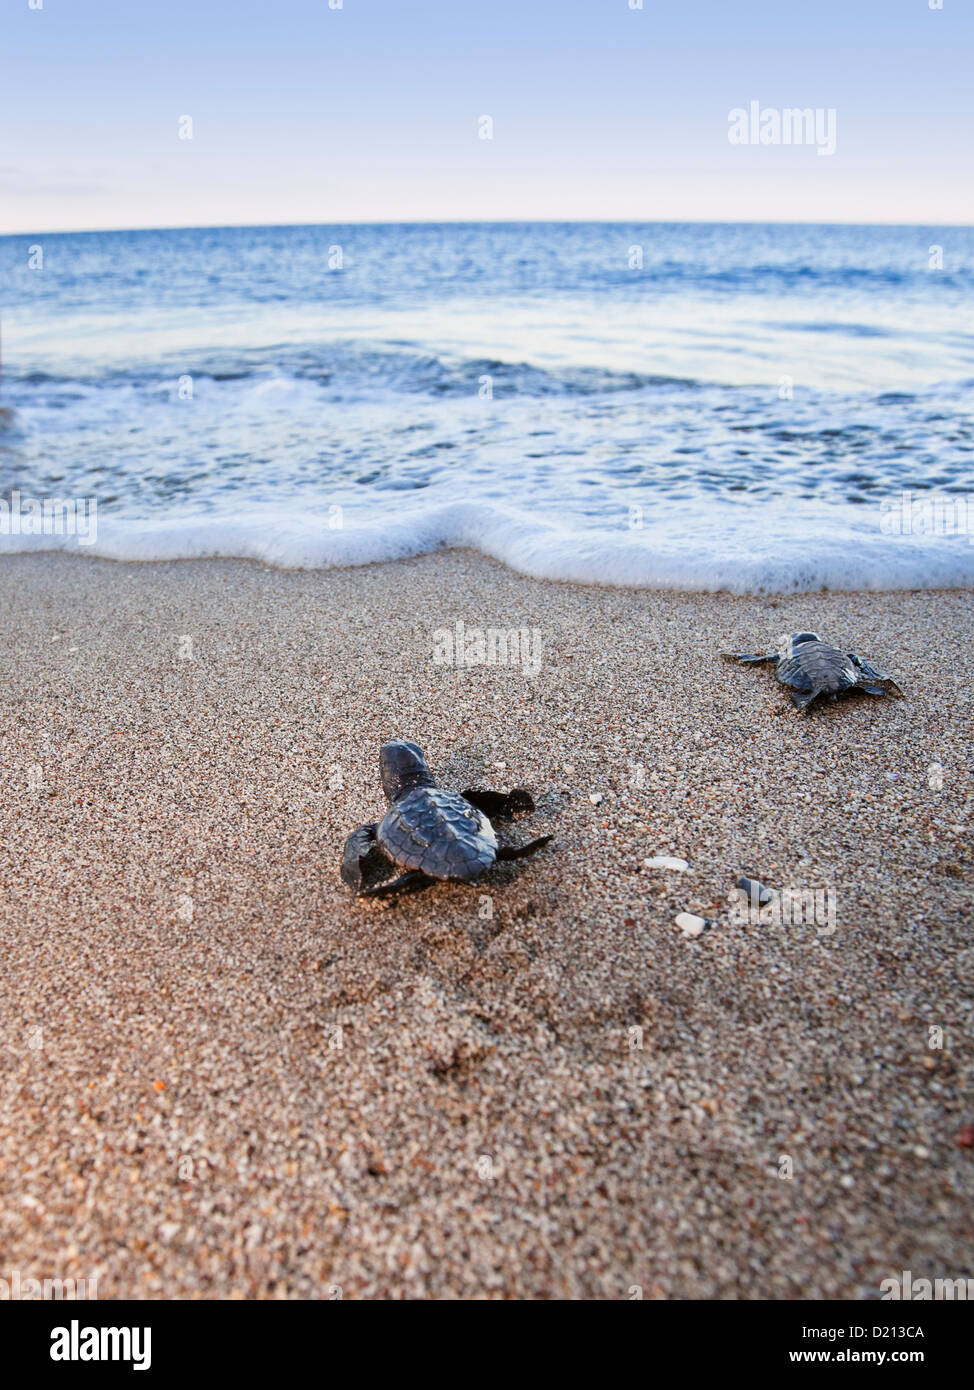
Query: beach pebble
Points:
[691, 925]
[753, 889]
[596, 798]
[666, 861]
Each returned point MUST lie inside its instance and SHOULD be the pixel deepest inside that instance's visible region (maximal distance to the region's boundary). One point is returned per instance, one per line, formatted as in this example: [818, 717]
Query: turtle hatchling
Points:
[812, 668]
[428, 832]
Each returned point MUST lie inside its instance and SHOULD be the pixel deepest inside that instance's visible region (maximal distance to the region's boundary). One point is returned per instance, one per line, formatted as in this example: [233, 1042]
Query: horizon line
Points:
[479, 222]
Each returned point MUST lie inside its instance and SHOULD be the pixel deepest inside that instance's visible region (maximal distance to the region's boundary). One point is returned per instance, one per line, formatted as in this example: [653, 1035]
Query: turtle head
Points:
[790, 643]
[402, 767]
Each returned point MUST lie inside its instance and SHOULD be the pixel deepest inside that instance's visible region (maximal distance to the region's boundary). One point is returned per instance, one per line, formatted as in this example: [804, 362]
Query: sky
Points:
[372, 111]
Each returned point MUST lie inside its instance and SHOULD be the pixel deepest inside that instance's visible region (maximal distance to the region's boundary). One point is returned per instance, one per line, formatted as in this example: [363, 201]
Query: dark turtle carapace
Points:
[812, 668]
[428, 832]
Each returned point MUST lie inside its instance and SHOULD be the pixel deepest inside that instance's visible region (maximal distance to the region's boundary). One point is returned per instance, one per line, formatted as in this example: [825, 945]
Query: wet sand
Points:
[222, 1076]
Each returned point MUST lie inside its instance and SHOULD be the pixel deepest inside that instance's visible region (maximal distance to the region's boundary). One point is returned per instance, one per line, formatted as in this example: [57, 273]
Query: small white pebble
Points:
[596, 798]
[690, 925]
[666, 861]
[847, 1181]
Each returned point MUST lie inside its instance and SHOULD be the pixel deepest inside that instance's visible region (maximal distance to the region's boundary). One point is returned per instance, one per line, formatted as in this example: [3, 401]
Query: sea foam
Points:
[748, 550]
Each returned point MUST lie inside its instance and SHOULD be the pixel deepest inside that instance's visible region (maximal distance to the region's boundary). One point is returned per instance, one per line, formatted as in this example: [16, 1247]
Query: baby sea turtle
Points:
[429, 832]
[812, 668]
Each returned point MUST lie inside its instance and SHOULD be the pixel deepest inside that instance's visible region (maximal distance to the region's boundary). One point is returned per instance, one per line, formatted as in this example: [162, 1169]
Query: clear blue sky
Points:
[369, 112]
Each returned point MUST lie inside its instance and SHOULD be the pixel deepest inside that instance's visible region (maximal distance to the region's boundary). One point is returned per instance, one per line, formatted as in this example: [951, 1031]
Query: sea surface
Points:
[693, 406]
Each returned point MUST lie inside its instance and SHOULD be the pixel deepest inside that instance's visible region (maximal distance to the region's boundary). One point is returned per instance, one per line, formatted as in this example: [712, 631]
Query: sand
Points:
[222, 1076]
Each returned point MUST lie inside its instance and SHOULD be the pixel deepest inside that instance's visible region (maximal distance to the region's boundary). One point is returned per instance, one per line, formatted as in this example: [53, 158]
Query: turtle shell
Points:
[817, 666]
[438, 832]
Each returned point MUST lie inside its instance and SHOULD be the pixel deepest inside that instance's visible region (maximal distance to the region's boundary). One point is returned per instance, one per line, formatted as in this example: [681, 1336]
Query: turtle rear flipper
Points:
[364, 863]
[522, 851]
[802, 699]
[885, 687]
[409, 882]
[876, 682]
[500, 805]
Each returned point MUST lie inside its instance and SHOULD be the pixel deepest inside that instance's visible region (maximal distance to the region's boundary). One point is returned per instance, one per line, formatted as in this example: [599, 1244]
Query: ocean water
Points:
[703, 406]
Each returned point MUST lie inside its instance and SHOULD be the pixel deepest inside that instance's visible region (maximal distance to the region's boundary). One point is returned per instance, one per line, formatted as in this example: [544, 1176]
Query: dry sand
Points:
[222, 1076]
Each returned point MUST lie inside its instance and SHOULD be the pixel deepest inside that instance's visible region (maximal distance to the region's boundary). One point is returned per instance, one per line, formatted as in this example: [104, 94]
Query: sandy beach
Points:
[223, 1076]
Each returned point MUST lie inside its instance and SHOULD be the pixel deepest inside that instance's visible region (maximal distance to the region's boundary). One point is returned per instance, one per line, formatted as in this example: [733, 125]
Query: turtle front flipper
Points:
[364, 863]
[500, 805]
[748, 658]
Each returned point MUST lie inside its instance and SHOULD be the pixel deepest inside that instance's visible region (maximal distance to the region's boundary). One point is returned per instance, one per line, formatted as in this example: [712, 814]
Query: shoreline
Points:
[324, 570]
[905, 551]
[247, 1083]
